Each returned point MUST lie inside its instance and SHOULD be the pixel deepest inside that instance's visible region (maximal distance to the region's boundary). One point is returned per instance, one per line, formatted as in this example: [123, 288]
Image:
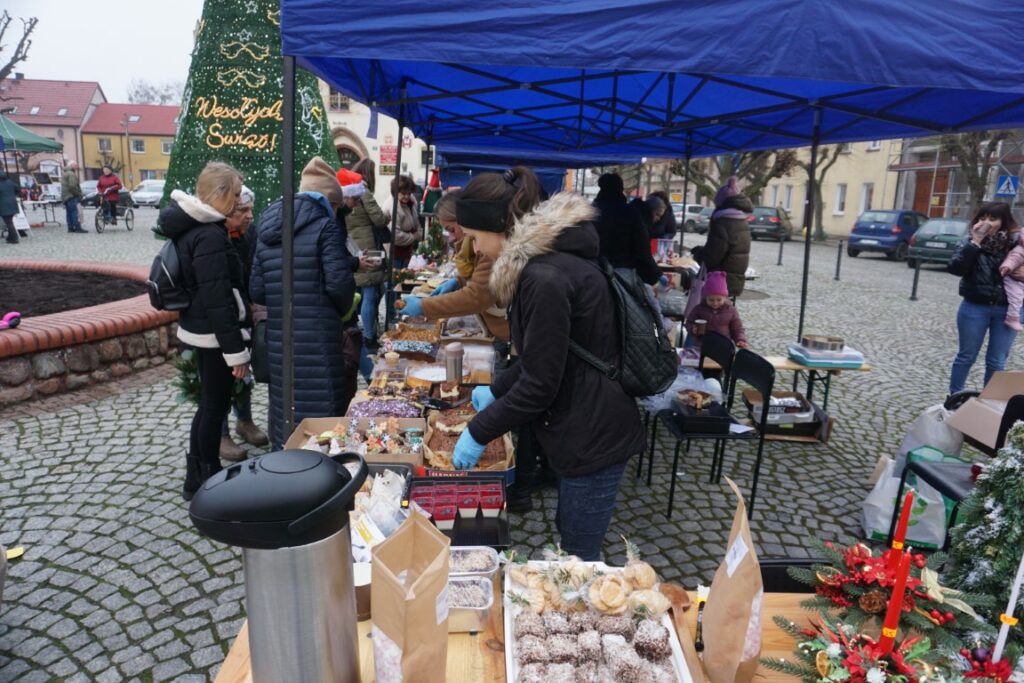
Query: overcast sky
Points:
[111, 42]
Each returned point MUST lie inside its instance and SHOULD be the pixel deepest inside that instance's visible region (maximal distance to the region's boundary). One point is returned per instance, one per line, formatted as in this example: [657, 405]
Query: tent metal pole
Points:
[808, 213]
[287, 244]
[686, 188]
[388, 286]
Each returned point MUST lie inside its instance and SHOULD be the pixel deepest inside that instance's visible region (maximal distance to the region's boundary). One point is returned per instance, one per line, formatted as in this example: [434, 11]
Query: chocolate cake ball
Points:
[531, 649]
[652, 640]
[586, 672]
[582, 621]
[562, 648]
[590, 646]
[557, 622]
[561, 673]
[620, 625]
[533, 673]
[530, 624]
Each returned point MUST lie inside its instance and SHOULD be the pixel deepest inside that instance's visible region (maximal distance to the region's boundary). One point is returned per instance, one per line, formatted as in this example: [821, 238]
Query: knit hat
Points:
[246, 196]
[351, 183]
[716, 284]
[730, 189]
[318, 176]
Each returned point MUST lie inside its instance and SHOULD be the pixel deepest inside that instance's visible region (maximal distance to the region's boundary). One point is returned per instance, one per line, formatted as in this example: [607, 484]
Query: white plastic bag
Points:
[927, 526]
[929, 429]
[687, 378]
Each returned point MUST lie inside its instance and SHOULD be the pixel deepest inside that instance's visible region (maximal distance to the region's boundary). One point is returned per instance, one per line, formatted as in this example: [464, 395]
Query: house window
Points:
[104, 144]
[33, 111]
[134, 118]
[846, 148]
[840, 206]
[166, 146]
[867, 195]
[60, 133]
[338, 101]
[775, 196]
[138, 146]
[874, 145]
[147, 175]
[787, 203]
[63, 111]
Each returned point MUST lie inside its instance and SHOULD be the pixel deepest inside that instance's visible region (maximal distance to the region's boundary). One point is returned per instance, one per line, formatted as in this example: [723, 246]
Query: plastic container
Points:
[487, 528]
[469, 501]
[455, 571]
[714, 419]
[470, 619]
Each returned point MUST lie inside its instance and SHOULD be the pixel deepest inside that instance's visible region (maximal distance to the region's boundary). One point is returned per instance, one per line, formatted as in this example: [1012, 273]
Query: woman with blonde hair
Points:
[216, 324]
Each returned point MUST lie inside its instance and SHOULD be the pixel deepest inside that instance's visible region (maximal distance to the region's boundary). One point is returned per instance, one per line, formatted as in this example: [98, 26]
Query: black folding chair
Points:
[759, 374]
[721, 350]
[952, 479]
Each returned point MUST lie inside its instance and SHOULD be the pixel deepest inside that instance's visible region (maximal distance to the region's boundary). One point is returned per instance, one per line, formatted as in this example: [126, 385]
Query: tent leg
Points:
[812, 174]
[389, 294]
[287, 245]
[686, 188]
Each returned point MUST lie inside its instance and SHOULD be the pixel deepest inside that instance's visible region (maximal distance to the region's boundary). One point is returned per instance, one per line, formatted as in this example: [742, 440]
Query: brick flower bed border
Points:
[51, 354]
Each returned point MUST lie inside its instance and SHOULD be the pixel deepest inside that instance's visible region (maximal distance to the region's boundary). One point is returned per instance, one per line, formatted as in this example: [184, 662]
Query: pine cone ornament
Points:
[872, 602]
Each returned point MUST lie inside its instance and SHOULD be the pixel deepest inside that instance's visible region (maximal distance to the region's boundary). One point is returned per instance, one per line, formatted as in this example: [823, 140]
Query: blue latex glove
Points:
[467, 451]
[663, 280]
[482, 397]
[412, 306]
[446, 286]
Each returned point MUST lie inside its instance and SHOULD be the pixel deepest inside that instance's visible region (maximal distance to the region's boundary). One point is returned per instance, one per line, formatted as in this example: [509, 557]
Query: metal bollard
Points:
[782, 241]
[917, 275]
[839, 259]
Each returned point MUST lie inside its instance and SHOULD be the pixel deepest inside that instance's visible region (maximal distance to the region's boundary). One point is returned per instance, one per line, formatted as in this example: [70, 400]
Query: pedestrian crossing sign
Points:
[1007, 186]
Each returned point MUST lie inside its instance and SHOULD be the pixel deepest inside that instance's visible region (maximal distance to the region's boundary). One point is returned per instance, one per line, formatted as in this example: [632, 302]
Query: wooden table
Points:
[481, 657]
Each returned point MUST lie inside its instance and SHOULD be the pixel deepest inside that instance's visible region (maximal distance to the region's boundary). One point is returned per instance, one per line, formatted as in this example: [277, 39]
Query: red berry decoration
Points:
[963, 651]
[949, 616]
[935, 614]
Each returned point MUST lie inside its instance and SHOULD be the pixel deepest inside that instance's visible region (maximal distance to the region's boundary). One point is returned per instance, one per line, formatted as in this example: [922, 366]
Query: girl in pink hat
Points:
[715, 314]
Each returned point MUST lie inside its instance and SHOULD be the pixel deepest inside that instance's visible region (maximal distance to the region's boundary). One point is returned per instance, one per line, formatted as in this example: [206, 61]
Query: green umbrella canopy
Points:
[21, 139]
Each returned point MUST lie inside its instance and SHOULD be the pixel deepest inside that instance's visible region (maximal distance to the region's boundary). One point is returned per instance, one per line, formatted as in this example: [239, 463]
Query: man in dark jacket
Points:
[583, 421]
[71, 195]
[728, 245]
[8, 206]
[623, 239]
[327, 340]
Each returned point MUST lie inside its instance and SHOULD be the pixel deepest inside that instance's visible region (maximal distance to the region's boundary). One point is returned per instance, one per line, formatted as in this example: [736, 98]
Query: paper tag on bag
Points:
[442, 605]
[735, 555]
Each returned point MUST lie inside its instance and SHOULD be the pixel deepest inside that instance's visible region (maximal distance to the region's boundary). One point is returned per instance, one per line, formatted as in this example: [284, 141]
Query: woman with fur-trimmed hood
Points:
[546, 271]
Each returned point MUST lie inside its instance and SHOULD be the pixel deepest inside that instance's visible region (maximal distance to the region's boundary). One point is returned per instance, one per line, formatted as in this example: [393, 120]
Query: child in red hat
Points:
[716, 313]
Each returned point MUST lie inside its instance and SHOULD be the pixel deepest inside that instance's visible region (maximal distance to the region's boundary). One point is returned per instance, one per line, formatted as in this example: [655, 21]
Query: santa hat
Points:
[351, 183]
[716, 284]
[730, 189]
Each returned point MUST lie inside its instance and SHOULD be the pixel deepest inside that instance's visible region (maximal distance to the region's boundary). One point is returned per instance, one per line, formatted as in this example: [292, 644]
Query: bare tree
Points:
[21, 48]
[141, 91]
[975, 152]
[827, 157]
[754, 169]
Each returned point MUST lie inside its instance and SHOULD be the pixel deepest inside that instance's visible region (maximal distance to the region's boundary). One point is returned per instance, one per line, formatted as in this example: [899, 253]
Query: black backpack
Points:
[648, 364]
[166, 283]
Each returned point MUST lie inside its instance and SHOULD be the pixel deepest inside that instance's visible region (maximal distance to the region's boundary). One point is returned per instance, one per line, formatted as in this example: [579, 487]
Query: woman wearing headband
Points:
[546, 271]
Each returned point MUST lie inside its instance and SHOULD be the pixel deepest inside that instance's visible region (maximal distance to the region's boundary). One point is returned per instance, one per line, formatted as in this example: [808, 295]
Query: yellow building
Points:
[134, 139]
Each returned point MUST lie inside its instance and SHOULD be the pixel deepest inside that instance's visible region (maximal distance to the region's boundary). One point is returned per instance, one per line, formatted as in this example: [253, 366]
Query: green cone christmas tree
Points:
[232, 104]
[987, 544]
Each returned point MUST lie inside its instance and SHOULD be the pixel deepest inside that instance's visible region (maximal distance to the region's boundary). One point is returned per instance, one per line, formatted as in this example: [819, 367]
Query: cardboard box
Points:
[312, 426]
[505, 469]
[980, 417]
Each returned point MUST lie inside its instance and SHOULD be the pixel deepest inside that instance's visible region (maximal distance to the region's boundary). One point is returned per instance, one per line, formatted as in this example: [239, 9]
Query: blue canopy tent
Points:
[633, 77]
[459, 174]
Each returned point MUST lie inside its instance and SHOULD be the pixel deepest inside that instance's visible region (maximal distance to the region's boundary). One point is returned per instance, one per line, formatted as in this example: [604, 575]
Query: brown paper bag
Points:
[409, 600]
[732, 615]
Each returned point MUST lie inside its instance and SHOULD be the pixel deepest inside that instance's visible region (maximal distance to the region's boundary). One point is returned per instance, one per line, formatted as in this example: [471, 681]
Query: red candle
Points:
[892, 615]
[901, 529]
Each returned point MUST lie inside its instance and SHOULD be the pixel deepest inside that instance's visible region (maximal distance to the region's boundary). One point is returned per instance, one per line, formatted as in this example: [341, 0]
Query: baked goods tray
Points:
[512, 610]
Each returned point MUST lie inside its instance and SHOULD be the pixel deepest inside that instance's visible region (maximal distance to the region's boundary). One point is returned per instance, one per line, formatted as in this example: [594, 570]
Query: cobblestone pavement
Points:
[116, 585]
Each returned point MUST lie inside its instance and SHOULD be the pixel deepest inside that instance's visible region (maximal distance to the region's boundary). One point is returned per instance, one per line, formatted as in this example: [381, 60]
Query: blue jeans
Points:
[71, 214]
[585, 506]
[243, 413]
[973, 321]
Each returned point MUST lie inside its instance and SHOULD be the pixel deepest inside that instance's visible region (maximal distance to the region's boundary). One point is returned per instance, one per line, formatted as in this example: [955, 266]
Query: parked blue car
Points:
[885, 231]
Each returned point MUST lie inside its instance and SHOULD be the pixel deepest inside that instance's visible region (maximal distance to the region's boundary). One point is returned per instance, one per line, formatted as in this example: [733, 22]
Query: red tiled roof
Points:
[50, 97]
[154, 119]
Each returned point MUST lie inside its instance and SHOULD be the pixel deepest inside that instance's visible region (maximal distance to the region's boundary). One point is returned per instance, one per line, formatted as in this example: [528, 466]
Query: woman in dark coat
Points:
[664, 228]
[728, 245]
[216, 325]
[623, 239]
[8, 206]
[585, 423]
[324, 302]
[983, 310]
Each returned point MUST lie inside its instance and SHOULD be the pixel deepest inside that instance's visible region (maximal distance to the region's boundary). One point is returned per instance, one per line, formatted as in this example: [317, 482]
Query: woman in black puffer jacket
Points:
[976, 260]
[327, 339]
[216, 324]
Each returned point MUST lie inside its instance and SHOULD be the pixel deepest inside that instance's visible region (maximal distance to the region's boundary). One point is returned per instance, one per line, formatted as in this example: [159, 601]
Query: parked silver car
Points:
[148, 193]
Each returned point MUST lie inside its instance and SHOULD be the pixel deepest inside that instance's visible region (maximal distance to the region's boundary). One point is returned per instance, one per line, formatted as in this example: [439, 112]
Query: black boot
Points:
[192, 478]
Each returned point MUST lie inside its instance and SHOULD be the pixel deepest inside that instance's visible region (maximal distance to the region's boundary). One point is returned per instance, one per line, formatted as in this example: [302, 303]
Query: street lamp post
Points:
[128, 155]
